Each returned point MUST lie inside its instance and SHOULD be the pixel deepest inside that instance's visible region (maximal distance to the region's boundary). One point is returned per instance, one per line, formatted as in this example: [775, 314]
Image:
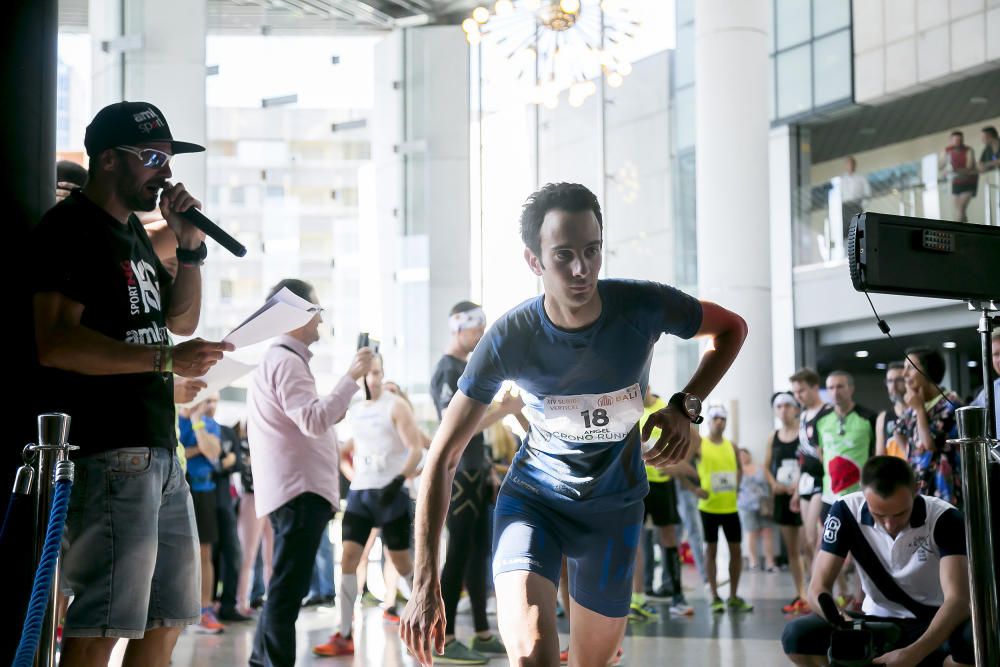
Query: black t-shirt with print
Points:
[82, 252]
[444, 385]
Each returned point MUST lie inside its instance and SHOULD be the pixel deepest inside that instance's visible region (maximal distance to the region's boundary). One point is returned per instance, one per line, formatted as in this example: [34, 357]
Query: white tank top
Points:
[379, 452]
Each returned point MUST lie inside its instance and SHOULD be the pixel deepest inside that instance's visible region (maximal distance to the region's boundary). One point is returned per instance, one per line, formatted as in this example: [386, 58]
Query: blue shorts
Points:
[532, 535]
[130, 550]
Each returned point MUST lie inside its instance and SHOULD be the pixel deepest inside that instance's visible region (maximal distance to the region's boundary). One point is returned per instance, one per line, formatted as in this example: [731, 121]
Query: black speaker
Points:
[901, 255]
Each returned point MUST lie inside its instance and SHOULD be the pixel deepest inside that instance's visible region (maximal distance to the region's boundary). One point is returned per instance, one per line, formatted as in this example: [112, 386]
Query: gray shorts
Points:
[752, 521]
[130, 551]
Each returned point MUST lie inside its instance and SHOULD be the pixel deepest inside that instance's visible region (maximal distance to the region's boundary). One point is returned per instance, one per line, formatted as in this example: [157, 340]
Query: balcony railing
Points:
[919, 189]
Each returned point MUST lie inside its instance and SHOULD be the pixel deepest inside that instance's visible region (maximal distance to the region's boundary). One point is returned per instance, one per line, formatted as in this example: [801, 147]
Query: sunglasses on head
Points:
[150, 157]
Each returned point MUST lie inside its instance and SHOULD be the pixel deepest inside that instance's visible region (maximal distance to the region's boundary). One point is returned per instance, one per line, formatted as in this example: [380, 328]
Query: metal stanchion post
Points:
[52, 447]
[976, 455]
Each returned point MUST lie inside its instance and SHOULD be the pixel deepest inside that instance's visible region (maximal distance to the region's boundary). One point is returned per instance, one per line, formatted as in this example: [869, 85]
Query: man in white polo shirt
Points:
[911, 555]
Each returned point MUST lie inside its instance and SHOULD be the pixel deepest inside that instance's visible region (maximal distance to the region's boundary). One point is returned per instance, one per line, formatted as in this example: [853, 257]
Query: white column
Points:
[783, 148]
[164, 63]
[420, 147]
[731, 83]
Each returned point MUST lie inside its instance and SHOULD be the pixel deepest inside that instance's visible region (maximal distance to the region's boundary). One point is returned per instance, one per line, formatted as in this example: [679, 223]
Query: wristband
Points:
[194, 257]
[167, 359]
[197, 426]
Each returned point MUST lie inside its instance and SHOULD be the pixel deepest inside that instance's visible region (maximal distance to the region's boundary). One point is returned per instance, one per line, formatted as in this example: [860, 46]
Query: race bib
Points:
[724, 481]
[787, 471]
[806, 484]
[593, 417]
[376, 463]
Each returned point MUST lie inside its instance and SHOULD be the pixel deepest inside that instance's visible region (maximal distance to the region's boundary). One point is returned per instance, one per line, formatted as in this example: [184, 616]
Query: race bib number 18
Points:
[593, 417]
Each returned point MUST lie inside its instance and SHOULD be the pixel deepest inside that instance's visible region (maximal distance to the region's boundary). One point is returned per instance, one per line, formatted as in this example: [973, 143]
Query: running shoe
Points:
[492, 644]
[680, 607]
[642, 612]
[209, 624]
[737, 603]
[369, 600]
[338, 645]
[792, 607]
[717, 606]
[457, 653]
[390, 616]
[564, 656]
[661, 594]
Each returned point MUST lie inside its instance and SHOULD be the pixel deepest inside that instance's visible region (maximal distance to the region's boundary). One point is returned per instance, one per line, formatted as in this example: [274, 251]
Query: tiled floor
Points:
[724, 639]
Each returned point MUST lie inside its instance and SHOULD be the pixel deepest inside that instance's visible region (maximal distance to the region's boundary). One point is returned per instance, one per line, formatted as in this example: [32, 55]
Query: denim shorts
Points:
[130, 551]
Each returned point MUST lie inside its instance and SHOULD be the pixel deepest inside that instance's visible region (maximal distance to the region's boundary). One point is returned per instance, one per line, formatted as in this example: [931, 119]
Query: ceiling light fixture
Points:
[557, 45]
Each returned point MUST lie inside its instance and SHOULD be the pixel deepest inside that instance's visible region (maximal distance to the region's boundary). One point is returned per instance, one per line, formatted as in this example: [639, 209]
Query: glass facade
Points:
[811, 57]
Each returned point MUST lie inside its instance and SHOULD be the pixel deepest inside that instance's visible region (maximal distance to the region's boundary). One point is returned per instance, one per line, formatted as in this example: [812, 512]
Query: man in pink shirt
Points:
[295, 463]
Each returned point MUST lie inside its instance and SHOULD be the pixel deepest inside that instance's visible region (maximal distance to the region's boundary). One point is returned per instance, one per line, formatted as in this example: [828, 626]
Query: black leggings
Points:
[469, 546]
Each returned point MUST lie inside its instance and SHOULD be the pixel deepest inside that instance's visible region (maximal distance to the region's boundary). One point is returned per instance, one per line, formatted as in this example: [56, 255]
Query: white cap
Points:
[717, 411]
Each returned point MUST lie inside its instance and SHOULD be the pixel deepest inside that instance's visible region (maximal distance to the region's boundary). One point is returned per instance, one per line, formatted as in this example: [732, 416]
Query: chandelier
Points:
[552, 46]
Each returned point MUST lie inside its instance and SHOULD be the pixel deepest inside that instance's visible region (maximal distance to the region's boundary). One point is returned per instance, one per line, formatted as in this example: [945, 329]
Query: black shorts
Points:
[730, 524]
[205, 516]
[783, 514]
[810, 635]
[366, 510]
[661, 503]
[960, 188]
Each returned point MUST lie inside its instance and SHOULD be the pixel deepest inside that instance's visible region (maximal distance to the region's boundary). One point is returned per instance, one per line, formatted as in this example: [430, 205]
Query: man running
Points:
[580, 354]
[387, 447]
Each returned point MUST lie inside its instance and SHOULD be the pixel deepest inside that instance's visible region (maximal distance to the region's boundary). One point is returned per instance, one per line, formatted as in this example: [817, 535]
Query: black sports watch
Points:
[689, 405]
[192, 257]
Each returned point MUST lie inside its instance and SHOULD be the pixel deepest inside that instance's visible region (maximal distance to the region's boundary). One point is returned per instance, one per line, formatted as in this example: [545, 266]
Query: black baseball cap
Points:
[131, 123]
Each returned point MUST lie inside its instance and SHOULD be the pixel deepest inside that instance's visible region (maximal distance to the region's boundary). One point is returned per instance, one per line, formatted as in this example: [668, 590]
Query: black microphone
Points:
[212, 230]
[831, 612]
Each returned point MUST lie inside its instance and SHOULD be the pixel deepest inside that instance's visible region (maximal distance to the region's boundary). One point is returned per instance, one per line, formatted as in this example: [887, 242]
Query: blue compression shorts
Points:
[599, 547]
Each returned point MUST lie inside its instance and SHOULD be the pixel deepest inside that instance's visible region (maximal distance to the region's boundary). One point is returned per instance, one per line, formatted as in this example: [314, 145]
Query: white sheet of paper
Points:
[282, 313]
[220, 376]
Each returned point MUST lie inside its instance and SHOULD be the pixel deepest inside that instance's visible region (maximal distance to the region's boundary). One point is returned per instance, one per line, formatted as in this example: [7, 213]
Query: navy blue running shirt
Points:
[582, 389]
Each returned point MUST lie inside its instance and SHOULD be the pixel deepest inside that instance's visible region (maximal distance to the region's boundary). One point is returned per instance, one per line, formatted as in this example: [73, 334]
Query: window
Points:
[685, 216]
[792, 22]
[685, 121]
[794, 81]
[832, 68]
[684, 56]
[830, 15]
[812, 57]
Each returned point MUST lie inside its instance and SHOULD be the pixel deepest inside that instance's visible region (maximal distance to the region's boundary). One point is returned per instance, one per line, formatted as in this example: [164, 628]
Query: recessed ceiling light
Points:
[949, 345]
[881, 366]
[972, 364]
[861, 354]
[978, 99]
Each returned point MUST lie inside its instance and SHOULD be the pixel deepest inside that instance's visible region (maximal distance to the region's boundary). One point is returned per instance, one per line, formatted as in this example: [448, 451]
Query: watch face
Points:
[692, 405]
